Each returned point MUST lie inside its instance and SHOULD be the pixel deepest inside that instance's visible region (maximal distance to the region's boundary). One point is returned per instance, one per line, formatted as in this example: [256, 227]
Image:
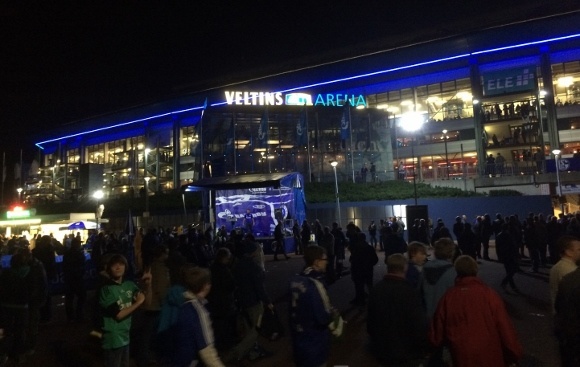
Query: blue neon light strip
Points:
[119, 125]
[359, 76]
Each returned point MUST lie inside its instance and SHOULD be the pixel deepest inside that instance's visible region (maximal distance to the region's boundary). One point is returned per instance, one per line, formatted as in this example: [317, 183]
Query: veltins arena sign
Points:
[293, 99]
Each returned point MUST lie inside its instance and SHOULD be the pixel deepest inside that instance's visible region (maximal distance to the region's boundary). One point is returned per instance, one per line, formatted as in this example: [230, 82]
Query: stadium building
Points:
[477, 111]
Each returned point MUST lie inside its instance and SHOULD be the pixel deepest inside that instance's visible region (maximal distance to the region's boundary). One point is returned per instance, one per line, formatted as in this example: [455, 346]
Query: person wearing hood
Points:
[438, 275]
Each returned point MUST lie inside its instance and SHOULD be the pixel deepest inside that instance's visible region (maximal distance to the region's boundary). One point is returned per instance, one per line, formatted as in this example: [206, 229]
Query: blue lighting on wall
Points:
[119, 125]
[333, 81]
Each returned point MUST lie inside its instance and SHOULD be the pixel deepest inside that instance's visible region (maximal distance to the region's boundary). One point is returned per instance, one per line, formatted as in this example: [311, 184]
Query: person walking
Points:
[507, 253]
[567, 319]
[305, 233]
[327, 242]
[339, 249]
[73, 269]
[193, 331]
[280, 243]
[472, 321]
[311, 311]
[569, 257]
[45, 253]
[362, 260]
[252, 298]
[438, 275]
[396, 321]
[15, 296]
[372, 229]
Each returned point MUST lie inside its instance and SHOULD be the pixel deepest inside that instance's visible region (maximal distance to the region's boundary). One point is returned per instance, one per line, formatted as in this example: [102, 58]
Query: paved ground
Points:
[65, 344]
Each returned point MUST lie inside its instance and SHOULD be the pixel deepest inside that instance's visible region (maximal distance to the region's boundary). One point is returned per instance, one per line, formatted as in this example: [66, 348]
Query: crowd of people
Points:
[179, 297]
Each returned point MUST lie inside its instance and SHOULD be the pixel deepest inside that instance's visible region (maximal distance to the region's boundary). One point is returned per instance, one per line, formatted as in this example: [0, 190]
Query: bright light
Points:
[334, 163]
[475, 101]
[466, 96]
[556, 151]
[565, 81]
[412, 121]
[19, 190]
[543, 93]
[147, 150]
[444, 131]
[147, 178]
[98, 194]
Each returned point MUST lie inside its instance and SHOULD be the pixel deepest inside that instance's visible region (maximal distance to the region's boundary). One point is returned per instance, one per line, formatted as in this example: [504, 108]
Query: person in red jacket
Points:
[471, 320]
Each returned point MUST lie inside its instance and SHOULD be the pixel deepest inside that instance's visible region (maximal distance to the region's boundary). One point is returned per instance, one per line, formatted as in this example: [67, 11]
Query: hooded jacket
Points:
[437, 277]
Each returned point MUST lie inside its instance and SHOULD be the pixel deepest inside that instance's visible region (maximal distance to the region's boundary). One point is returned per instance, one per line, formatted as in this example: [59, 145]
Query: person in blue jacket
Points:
[311, 311]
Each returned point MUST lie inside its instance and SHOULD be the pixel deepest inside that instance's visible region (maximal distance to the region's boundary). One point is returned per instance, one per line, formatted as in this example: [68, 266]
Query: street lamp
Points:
[19, 190]
[445, 137]
[334, 164]
[146, 214]
[412, 122]
[557, 153]
[98, 195]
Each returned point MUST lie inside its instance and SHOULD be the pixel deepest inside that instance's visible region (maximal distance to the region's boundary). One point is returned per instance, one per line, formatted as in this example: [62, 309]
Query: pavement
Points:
[69, 344]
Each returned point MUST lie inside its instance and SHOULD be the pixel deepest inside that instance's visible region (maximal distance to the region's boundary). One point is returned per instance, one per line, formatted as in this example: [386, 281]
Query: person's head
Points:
[315, 257]
[569, 247]
[75, 243]
[444, 248]
[223, 256]
[417, 252]
[396, 264]
[116, 266]
[465, 266]
[197, 280]
[20, 258]
[160, 252]
[44, 242]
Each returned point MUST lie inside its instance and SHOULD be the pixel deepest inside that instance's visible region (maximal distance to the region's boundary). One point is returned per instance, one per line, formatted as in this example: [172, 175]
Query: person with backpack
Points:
[311, 311]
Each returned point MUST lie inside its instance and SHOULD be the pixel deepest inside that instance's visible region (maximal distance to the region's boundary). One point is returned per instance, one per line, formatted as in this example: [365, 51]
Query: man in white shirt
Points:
[570, 251]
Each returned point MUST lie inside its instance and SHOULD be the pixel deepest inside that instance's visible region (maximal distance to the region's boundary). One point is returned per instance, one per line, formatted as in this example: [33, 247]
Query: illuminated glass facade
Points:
[501, 92]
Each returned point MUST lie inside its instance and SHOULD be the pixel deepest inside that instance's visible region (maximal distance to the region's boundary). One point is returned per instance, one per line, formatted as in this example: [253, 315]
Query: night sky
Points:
[60, 64]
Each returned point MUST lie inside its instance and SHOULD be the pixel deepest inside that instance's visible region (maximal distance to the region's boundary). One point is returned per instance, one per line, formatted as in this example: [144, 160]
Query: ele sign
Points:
[293, 99]
[510, 81]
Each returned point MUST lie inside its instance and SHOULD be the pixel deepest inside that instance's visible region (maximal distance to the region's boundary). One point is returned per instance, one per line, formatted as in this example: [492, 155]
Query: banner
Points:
[232, 205]
[263, 131]
[302, 129]
[345, 123]
[230, 139]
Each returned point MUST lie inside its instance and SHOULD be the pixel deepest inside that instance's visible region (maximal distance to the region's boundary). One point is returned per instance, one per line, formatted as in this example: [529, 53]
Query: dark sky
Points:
[62, 63]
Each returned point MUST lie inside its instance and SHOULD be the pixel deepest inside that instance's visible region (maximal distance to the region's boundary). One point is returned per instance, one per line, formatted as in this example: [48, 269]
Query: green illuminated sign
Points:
[16, 214]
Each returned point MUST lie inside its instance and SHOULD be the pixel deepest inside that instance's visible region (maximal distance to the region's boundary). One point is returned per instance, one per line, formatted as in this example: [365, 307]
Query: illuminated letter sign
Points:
[510, 81]
[339, 100]
[293, 99]
[254, 98]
